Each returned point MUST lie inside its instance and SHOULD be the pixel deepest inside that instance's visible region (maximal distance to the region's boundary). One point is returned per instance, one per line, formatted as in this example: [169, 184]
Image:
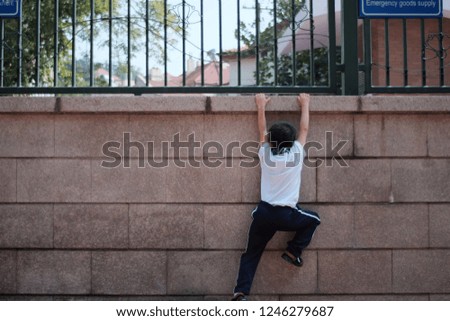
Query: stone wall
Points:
[73, 229]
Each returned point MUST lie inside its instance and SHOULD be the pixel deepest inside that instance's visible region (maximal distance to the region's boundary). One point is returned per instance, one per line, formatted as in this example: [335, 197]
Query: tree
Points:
[285, 63]
[101, 24]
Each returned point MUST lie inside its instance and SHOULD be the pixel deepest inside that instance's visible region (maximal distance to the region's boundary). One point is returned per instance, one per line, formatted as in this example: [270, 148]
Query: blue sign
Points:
[400, 8]
[10, 8]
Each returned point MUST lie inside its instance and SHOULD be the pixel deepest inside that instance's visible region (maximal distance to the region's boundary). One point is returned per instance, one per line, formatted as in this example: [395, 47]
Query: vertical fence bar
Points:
[146, 44]
[220, 45]
[129, 43]
[56, 44]
[424, 66]
[257, 40]
[405, 53]
[294, 38]
[275, 44]
[38, 43]
[2, 50]
[349, 37]
[332, 75]
[387, 58]
[238, 42]
[165, 43]
[441, 53]
[74, 35]
[311, 38]
[110, 27]
[19, 52]
[367, 54]
[202, 44]
[91, 40]
[184, 42]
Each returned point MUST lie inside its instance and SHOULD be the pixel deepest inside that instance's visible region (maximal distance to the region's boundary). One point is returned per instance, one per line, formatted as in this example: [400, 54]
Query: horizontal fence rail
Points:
[218, 46]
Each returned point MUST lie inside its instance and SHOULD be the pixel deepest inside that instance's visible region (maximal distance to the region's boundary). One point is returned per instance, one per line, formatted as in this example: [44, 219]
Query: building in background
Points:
[193, 76]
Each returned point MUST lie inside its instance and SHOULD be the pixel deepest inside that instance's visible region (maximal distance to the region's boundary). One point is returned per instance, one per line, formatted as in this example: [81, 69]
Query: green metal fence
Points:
[220, 46]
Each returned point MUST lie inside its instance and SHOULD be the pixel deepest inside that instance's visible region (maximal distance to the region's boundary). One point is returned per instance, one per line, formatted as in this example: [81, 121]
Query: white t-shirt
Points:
[281, 175]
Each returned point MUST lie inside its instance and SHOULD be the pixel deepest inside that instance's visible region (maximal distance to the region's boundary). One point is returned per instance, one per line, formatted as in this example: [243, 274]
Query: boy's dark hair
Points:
[282, 135]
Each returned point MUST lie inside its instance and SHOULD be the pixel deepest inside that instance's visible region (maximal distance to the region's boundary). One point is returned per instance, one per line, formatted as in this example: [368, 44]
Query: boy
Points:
[281, 157]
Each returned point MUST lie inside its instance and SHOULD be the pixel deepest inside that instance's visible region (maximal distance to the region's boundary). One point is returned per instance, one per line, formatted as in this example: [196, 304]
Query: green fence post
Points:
[349, 45]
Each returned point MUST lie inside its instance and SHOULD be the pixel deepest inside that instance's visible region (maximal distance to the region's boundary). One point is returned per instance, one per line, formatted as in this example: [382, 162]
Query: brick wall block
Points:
[285, 103]
[205, 184]
[234, 104]
[391, 226]
[439, 135]
[207, 273]
[53, 272]
[26, 135]
[361, 181]
[407, 104]
[166, 226]
[166, 103]
[421, 180]
[91, 226]
[26, 226]
[136, 183]
[251, 183]
[421, 271]
[8, 269]
[338, 142]
[27, 104]
[439, 297]
[440, 225]
[390, 135]
[53, 180]
[8, 180]
[129, 273]
[226, 226]
[336, 227]
[232, 131]
[276, 276]
[85, 135]
[355, 272]
[352, 297]
[162, 129]
[255, 297]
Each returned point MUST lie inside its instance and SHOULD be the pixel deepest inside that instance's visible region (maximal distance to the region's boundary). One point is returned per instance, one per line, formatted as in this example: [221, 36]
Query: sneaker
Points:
[290, 259]
[239, 297]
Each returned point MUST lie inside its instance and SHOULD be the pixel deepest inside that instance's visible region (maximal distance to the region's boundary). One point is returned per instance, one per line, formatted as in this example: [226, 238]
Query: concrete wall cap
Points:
[222, 104]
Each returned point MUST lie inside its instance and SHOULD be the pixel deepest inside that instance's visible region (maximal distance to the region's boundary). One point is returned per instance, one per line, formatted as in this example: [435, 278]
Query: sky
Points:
[193, 41]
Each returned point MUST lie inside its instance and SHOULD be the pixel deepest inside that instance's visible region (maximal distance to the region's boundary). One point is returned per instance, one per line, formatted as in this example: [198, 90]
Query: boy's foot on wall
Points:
[239, 297]
[288, 257]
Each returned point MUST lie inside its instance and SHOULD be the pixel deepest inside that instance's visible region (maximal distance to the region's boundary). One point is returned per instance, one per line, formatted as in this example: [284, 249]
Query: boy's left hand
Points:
[303, 100]
[261, 101]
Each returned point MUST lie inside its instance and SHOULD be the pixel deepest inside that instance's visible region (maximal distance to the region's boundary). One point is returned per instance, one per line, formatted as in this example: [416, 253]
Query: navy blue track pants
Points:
[268, 219]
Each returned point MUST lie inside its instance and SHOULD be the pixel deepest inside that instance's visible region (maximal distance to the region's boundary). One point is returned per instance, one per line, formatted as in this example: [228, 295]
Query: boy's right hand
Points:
[303, 100]
[261, 101]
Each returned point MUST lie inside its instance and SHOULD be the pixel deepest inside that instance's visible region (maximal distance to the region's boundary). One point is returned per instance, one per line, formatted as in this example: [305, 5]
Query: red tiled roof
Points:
[172, 81]
[101, 72]
[211, 75]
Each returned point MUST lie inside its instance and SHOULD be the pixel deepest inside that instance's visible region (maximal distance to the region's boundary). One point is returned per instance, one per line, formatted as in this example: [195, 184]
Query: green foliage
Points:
[285, 63]
[303, 68]
[83, 32]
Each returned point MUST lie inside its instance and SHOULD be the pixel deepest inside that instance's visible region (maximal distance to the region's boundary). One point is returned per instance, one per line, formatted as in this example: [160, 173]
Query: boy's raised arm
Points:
[303, 103]
[261, 101]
